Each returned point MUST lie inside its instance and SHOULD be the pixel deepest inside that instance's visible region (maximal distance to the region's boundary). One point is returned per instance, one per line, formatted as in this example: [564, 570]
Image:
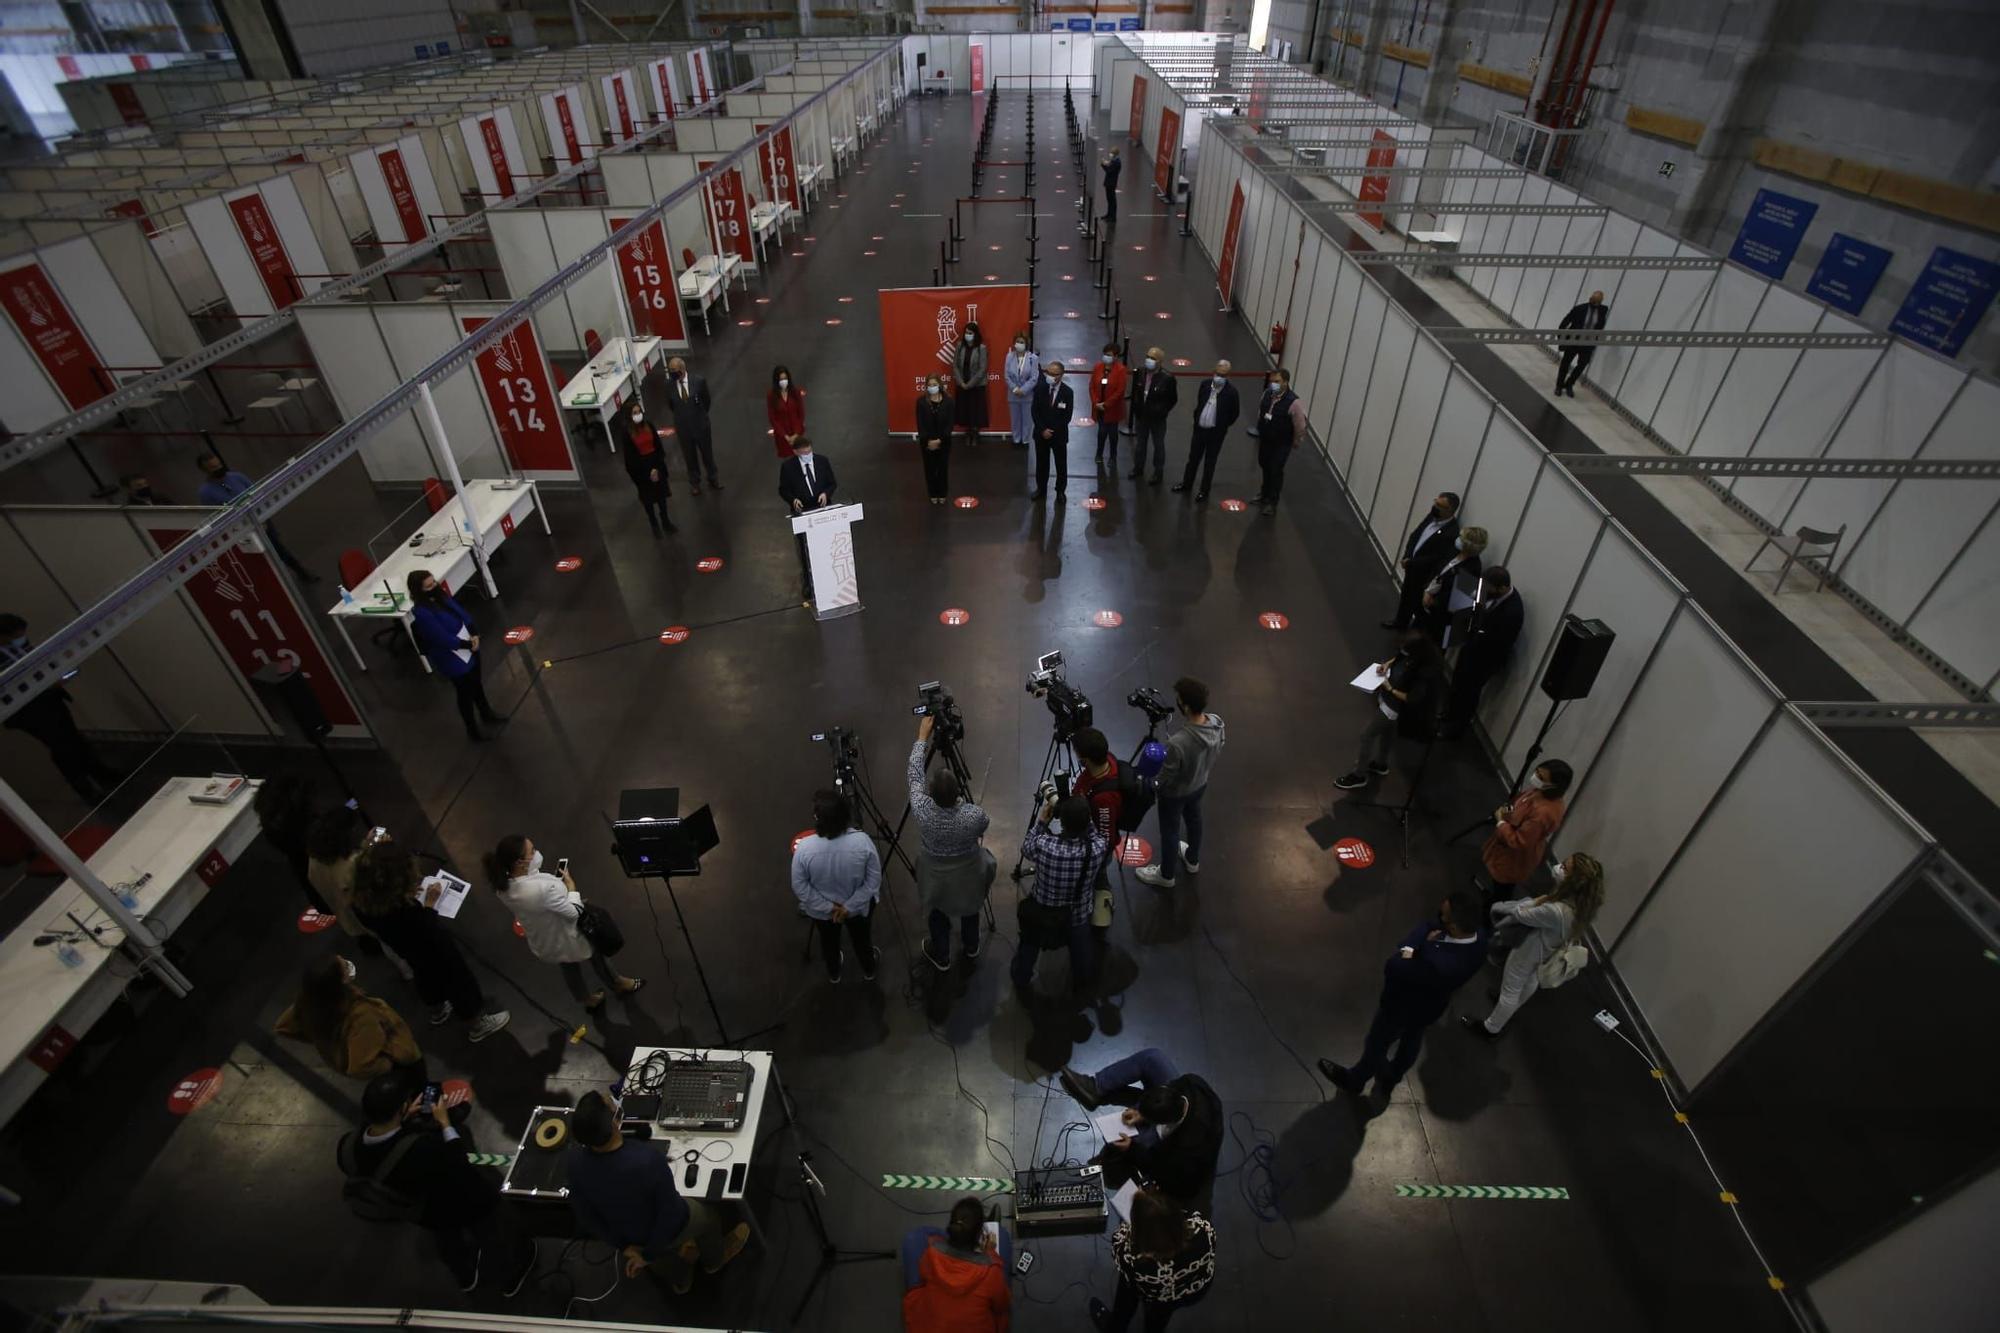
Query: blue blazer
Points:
[1418, 989]
[437, 634]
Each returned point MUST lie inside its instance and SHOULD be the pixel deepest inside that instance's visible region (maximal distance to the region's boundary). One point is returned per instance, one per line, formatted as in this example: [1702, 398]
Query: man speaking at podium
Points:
[805, 481]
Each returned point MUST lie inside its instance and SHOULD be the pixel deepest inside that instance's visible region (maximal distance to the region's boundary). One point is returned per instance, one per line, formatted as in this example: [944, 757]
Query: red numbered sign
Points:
[45, 323]
[396, 175]
[729, 213]
[645, 267]
[52, 1049]
[781, 176]
[267, 252]
[496, 156]
[515, 378]
[212, 868]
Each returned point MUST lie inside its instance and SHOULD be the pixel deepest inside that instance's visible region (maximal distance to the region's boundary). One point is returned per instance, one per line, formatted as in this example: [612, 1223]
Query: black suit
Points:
[1433, 619]
[1154, 394]
[1054, 406]
[1415, 993]
[686, 405]
[1576, 356]
[1422, 558]
[794, 489]
[648, 471]
[1484, 648]
[1112, 167]
[1206, 445]
[1183, 1163]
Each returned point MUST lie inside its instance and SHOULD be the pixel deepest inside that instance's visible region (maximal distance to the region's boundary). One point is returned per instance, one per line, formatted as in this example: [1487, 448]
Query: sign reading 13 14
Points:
[514, 376]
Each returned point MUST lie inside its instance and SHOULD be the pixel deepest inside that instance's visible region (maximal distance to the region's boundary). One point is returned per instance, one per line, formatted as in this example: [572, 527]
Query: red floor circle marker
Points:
[1094, 503]
[195, 1091]
[763, 300]
[1107, 620]
[1150, 278]
[312, 921]
[798, 838]
[1062, 247]
[1234, 506]
[1272, 620]
[569, 564]
[1134, 850]
[993, 277]
[992, 247]
[810, 239]
[708, 564]
[674, 634]
[1354, 852]
[1071, 314]
[520, 931]
[954, 616]
[796, 254]
[1138, 247]
[519, 634]
[746, 323]
[1181, 362]
[454, 1092]
[1163, 314]
[832, 323]
[878, 238]
[846, 300]
[966, 502]
[867, 254]
[1069, 277]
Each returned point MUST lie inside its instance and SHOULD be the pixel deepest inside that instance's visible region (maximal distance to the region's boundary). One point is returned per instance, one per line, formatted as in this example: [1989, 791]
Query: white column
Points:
[458, 486]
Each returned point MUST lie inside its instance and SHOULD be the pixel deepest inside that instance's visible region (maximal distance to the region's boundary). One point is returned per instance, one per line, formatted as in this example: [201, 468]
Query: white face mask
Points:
[1106, 358]
[347, 968]
[934, 391]
[784, 383]
[1274, 386]
[1055, 379]
[1020, 347]
[1217, 378]
[1557, 874]
[637, 417]
[971, 338]
[535, 862]
[1460, 543]
[1151, 364]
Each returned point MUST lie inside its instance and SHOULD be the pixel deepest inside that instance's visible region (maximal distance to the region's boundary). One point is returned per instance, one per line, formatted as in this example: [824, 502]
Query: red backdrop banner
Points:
[1376, 188]
[514, 376]
[267, 252]
[1137, 126]
[920, 327]
[781, 173]
[1225, 267]
[246, 606]
[45, 323]
[645, 267]
[1167, 153]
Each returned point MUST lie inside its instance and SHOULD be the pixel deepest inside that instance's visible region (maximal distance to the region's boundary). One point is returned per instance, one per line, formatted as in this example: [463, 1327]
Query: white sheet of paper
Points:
[451, 892]
[1122, 1200]
[1111, 1124]
[1371, 676]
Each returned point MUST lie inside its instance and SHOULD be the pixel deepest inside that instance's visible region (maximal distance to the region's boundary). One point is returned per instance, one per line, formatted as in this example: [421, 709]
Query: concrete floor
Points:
[1245, 972]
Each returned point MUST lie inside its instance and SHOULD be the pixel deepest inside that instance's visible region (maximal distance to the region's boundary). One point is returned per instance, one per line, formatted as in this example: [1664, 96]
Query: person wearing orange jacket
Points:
[1522, 828]
[1109, 384]
[955, 1280]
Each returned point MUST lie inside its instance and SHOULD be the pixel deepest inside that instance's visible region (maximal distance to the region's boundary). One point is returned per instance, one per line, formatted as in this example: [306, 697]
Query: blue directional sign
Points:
[1947, 300]
[1771, 233]
[1847, 273]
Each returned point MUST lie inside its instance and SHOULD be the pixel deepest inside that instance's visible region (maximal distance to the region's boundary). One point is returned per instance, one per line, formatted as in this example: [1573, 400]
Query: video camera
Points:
[1152, 703]
[846, 747]
[1067, 703]
[947, 722]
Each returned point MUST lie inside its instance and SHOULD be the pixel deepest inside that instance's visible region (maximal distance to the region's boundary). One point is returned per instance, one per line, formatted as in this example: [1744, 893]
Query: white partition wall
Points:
[260, 246]
[532, 245]
[67, 333]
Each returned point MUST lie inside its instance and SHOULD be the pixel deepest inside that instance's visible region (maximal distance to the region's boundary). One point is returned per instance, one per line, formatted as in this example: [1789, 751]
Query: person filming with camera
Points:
[1191, 754]
[1067, 852]
[954, 873]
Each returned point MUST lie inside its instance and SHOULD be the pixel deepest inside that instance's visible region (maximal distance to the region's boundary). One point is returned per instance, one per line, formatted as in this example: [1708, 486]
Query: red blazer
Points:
[788, 417]
[1107, 392]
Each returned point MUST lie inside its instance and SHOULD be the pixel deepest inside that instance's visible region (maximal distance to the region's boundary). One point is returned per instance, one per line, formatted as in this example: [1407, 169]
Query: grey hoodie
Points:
[1191, 752]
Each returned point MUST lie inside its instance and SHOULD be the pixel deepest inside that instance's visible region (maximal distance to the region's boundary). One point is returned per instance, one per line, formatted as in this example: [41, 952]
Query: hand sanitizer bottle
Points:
[346, 597]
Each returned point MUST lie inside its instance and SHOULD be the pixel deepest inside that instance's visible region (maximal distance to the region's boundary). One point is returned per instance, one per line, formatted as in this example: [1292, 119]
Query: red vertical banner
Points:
[663, 74]
[729, 212]
[567, 121]
[622, 104]
[127, 101]
[977, 53]
[1259, 87]
[646, 270]
[496, 156]
[404, 199]
[1167, 153]
[267, 252]
[45, 323]
[514, 376]
[781, 171]
[1137, 122]
[920, 328]
[245, 605]
[1376, 188]
[134, 208]
[71, 68]
[698, 66]
[142, 62]
[1225, 266]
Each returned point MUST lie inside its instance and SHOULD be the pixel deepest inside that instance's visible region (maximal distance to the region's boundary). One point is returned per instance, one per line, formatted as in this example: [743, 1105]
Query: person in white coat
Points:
[1552, 921]
[1023, 370]
[547, 906]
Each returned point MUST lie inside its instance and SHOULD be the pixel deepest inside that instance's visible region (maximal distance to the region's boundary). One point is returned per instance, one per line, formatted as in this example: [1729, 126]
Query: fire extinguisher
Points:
[1278, 341]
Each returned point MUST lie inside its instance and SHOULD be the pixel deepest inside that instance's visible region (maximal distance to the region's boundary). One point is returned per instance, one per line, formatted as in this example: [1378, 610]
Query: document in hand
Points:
[1370, 679]
[444, 893]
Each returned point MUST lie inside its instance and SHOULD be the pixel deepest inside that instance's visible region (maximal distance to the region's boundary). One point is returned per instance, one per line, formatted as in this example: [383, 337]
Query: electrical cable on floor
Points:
[854, 1171]
[1257, 1004]
[986, 1120]
[1776, 1283]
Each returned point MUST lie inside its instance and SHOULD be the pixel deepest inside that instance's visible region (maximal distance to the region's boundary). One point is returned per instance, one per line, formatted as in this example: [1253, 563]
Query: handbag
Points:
[595, 924]
[1562, 966]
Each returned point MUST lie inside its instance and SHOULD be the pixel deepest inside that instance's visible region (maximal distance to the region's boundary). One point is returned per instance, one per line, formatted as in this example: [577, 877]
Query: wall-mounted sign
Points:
[1847, 273]
[1771, 233]
[1947, 300]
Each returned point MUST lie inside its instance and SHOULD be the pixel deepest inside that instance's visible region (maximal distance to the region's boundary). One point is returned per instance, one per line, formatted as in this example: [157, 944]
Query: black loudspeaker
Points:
[1580, 653]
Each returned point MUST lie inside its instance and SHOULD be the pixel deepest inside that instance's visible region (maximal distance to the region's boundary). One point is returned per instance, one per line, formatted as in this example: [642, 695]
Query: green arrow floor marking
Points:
[1481, 1192]
[957, 1184]
[489, 1158]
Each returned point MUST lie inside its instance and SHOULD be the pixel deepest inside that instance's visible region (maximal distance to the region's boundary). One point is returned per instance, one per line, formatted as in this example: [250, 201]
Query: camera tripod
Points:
[1401, 811]
[831, 1256]
[1058, 748]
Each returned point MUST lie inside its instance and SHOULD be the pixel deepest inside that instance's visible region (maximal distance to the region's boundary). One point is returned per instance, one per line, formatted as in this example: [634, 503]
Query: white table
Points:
[185, 848]
[843, 151]
[700, 290]
[441, 547]
[765, 219]
[812, 178]
[719, 1152]
[727, 266]
[598, 390]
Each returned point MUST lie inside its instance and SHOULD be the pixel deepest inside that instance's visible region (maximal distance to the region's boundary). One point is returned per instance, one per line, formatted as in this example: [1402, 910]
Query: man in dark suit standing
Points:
[1433, 960]
[1483, 649]
[1431, 543]
[1113, 165]
[805, 481]
[685, 400]
[1154, 394]
[1576, 356]
[1215, 409]
[1054, 405]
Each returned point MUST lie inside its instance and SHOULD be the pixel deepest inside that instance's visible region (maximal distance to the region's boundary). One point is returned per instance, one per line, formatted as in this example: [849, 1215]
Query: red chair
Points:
[355, 567]
[85, 840]
[436, 497]
[592, 344]
[687, 258]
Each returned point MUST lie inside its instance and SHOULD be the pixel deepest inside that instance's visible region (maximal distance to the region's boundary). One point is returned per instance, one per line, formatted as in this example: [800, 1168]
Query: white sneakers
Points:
[1154, 876]
[486, 1025]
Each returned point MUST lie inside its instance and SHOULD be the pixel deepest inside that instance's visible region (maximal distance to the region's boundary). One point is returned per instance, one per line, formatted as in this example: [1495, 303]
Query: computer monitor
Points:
[671, 846]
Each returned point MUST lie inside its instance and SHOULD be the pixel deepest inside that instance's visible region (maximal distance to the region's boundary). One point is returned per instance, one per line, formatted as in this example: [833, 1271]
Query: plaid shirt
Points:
[1065, 868]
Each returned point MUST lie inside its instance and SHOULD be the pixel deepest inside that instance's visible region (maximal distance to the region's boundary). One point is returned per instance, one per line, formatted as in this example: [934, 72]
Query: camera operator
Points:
[1056, 913]
[1100, 782]
[1191, 752]
[954, 873]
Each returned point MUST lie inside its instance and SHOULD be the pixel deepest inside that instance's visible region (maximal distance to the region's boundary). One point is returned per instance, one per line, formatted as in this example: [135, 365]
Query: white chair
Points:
[1805, 542]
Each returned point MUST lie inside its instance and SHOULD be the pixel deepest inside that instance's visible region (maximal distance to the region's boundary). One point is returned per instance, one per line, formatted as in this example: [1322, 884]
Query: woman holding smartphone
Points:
[547, 906]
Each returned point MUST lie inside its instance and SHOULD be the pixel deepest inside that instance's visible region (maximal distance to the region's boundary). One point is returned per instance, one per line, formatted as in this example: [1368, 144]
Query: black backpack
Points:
[370, 1197]
[1135, 798]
